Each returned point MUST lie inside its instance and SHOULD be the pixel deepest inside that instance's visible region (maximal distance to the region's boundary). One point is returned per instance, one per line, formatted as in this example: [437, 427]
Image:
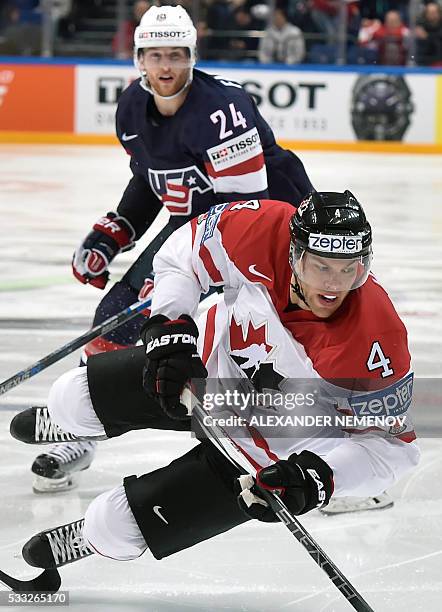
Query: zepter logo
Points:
[381, 107]
[335, 244]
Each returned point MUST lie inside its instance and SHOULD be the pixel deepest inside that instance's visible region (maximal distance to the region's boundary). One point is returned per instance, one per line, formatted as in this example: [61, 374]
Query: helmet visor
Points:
[157, 57]
[330, 273]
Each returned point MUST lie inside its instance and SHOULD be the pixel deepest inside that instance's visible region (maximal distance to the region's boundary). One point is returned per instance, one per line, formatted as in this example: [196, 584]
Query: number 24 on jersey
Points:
[219, 116]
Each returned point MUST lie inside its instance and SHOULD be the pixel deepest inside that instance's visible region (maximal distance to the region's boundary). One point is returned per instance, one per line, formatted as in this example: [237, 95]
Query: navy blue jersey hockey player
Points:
[194, 140]
[229, 154]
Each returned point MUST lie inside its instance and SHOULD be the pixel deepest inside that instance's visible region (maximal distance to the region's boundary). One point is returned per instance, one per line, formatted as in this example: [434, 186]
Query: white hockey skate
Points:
[340, 505]
[57, 468]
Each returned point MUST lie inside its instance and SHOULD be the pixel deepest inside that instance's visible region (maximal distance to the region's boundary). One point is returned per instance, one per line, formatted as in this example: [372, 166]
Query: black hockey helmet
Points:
[332, 225]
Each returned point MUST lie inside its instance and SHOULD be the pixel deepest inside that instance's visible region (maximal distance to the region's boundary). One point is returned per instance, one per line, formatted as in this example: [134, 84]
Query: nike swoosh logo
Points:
[157, 509]
[126, 137]
[253, 270]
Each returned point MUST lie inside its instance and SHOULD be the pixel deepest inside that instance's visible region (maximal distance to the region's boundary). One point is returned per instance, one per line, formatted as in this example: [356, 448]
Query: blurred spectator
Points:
[368, 29]
[377, 9]
[259, 11]
[28, 11]
[429, 36]
[282, 42]
[70, 24]
[60, 9]
[242, 22]
[299, 14]
[325, 15]
[353, 19]
[366, 51]
[392, 40]
[219, 15]
[202, 39]
[5, 9]
[123, 41]
[21, 33]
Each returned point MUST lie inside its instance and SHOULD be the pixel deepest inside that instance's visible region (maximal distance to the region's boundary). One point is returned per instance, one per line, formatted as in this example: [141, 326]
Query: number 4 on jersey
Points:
[377, 359]
[238, 119]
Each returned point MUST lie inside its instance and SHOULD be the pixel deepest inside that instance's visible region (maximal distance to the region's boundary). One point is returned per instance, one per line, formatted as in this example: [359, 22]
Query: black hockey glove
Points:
[304, 481]
[172, 361]
[110, 235]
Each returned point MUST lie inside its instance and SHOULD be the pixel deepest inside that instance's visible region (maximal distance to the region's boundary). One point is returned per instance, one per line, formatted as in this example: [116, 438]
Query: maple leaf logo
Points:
[249, 351]
[251, 347]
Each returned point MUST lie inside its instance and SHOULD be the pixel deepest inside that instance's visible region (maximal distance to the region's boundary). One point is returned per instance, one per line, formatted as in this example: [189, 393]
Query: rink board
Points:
[307, 107]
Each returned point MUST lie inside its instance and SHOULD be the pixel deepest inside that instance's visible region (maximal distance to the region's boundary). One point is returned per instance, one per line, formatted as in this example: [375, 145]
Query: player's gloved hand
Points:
[304, 481]
[110, 235]
[172, 361]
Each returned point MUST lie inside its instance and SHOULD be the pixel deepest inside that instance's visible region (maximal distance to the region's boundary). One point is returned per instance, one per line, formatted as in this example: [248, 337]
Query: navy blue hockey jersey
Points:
[216, 148]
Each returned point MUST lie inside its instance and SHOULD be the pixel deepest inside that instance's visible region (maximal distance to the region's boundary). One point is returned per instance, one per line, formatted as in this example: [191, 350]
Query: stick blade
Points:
[48, 581]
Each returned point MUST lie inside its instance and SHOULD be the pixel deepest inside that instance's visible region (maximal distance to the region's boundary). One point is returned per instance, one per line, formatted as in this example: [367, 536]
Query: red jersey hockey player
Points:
[304, 281]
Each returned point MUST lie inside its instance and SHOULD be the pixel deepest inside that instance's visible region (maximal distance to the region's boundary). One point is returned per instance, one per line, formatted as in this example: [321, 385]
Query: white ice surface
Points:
[49, 196]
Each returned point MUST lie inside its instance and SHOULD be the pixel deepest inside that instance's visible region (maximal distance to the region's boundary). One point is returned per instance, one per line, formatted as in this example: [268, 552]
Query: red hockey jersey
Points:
[254, 334]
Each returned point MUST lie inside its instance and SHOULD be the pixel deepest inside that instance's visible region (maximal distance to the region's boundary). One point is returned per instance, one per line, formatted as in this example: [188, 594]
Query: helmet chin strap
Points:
[147, 87]
[297, 289]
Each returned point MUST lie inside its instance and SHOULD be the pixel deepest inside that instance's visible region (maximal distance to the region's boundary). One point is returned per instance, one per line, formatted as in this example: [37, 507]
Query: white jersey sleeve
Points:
[177, 289]
[369, 464]
[199, 256]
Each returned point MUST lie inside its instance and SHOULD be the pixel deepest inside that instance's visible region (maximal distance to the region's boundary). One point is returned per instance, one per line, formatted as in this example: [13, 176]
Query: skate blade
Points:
[42, 485]
[332, 511]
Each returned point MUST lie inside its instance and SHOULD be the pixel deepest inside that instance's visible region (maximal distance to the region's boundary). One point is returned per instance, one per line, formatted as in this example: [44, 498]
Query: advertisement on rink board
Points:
[311, 106]
[36, 98]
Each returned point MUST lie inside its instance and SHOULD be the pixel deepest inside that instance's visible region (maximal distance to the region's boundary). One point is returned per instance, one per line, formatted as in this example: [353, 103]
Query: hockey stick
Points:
[103, 328]
[48, 581]
[234, 454]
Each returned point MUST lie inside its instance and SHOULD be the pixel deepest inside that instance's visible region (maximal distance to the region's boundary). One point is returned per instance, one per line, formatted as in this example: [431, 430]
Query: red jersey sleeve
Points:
[243, 241]
[367, 344]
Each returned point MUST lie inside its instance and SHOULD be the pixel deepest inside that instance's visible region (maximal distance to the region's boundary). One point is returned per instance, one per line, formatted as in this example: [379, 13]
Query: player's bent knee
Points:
[70, 405]
[110, 527]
